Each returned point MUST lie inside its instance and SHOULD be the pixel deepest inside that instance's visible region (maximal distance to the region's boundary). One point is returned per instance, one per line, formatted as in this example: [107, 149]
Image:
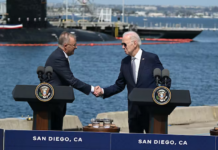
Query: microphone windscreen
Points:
[40, 69]
[165, 73]
[157, 72]
[48, 69]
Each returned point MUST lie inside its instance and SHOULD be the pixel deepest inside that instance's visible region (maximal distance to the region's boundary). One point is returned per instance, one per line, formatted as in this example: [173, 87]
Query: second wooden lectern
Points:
[159, 113]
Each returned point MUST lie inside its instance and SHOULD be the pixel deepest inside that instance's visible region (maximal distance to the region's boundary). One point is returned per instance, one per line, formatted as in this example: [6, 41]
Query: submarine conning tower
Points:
[30, 13]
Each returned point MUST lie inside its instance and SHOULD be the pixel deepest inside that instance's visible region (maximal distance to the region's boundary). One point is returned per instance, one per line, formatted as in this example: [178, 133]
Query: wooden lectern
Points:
[42, 110]
[159, 113]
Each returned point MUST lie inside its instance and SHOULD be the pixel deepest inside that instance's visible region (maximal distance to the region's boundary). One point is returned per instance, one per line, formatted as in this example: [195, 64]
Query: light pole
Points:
[66, 1]
[144, 21]
[123, 12]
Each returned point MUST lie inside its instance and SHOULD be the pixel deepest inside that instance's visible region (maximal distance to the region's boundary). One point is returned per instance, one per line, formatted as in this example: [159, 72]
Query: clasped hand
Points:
[98, 91]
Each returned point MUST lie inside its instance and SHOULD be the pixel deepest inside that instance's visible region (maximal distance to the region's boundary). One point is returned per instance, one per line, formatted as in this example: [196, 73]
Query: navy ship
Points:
[26, 22]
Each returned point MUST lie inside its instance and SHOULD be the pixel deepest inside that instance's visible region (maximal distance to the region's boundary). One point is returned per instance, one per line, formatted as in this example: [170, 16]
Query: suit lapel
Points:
[142, 65]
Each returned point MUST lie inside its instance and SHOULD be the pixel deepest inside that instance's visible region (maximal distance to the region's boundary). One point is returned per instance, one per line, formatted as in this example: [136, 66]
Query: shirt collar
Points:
[138, 55]
[65, 55]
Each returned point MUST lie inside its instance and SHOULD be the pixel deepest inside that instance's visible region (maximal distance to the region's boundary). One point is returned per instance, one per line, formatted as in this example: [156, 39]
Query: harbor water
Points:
[193, 66]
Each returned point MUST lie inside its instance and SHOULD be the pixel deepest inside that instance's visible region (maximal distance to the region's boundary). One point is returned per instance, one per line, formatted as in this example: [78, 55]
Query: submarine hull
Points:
[46, 35]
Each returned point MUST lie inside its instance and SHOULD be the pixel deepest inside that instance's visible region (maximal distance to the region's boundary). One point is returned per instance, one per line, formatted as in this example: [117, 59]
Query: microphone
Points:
[49, 71]
[165, 75]
[157, 75]
[40, 71]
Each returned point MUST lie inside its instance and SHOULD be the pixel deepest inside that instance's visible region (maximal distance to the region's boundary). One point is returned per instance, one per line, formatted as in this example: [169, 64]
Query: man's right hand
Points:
[98, 91]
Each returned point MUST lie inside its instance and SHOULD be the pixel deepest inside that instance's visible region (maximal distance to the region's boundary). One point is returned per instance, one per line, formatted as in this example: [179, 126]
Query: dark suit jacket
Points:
[148, 63]
[62, 75]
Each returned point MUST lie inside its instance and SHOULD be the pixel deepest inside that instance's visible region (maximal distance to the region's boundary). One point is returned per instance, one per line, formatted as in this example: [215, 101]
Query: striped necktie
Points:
[134, 69]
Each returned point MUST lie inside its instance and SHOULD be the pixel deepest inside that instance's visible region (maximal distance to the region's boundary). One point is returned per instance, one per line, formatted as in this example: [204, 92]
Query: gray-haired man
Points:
[62, 75]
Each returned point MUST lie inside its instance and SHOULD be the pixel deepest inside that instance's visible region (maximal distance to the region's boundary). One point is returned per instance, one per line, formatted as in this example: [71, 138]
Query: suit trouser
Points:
[57, 117]
[57, 121]
[139, 124]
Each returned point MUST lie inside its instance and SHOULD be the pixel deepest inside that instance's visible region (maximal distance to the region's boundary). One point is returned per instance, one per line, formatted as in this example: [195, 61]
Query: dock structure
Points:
[121, 25]
[85, 25]
[115, 29]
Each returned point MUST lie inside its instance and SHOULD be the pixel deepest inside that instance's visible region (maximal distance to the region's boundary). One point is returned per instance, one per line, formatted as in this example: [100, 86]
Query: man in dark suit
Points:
[62, 75]
[136, 71]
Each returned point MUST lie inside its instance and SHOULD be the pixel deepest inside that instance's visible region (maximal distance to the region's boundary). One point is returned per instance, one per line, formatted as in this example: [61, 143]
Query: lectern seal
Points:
[161, 95]
[44, 92]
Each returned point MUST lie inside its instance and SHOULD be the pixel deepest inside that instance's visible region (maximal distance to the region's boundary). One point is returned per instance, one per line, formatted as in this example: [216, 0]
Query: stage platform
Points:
[187, 129]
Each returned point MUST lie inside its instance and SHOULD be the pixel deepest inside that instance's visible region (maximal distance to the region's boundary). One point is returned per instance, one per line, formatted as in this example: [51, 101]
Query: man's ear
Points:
[65, 45]
[135, 44]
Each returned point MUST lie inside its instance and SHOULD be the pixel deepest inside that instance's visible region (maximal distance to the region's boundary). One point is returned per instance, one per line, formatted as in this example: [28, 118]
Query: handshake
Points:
[98, 91]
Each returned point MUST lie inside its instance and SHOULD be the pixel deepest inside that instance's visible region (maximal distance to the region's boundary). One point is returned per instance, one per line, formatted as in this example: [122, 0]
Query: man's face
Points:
[70, 47]
[128, 45]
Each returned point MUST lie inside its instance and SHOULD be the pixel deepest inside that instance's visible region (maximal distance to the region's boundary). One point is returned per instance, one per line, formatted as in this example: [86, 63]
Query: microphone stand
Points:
[49, 74]
[166, 82]
[157, 80]
[40, 77]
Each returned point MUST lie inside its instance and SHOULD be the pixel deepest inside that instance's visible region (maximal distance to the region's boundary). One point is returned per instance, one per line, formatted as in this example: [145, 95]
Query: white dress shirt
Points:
[67, 57]
[92, 87]
[137, 62]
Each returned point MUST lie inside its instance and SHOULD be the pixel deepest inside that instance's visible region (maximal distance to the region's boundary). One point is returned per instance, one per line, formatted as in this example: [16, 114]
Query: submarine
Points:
[26, 22]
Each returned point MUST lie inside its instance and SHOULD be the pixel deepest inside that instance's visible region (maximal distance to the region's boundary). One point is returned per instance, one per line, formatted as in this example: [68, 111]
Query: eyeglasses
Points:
[124, 44]
[72, 45]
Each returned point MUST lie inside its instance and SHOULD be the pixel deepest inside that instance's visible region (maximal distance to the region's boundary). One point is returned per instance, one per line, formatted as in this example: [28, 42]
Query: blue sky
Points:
[153, 2]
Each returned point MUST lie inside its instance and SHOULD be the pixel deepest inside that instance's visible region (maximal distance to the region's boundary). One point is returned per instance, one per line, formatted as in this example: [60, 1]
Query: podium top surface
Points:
[27, 93]
[143, 95]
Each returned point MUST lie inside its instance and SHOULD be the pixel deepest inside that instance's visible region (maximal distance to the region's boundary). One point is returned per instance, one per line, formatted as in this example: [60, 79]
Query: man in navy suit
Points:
[136, 71]
[62, 75]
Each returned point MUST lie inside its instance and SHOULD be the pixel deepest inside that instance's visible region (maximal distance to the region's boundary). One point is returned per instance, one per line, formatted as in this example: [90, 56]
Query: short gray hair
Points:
[133, 36]
[65, 38]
